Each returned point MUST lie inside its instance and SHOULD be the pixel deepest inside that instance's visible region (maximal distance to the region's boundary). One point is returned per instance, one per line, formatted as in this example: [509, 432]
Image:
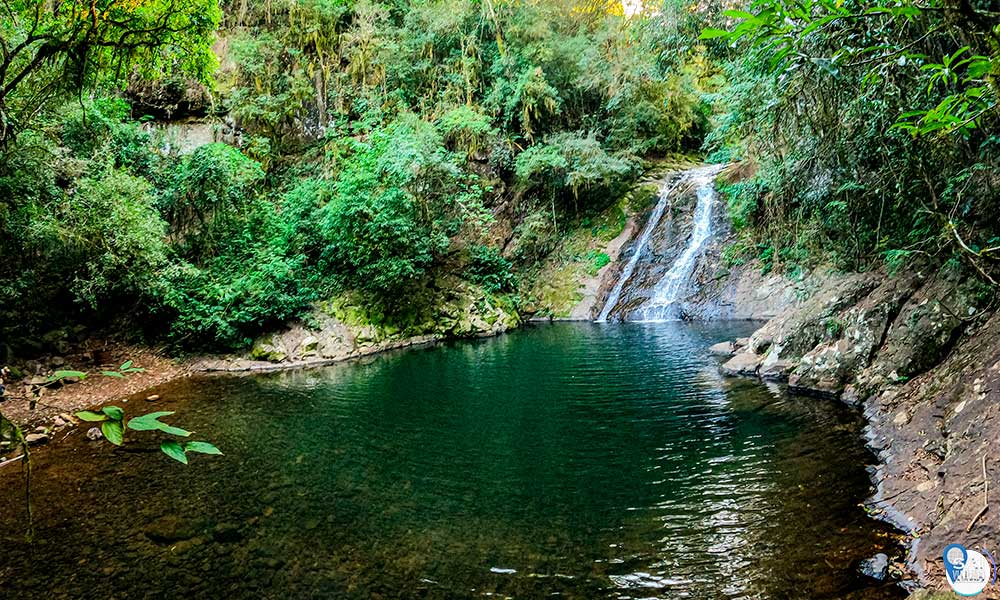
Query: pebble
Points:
[36, 438]
[94, 434]
[152, 398]
[58, 422]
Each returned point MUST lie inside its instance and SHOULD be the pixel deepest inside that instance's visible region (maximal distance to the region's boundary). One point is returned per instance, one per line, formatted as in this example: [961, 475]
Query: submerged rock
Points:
[168, 529]
[876, 567]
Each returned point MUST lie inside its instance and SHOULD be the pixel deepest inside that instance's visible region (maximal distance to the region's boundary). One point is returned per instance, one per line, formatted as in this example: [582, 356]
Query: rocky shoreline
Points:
[919, 354]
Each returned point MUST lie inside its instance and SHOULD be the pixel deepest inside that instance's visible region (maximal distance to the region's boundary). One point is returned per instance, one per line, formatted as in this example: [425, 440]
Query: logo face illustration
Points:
[968, 572]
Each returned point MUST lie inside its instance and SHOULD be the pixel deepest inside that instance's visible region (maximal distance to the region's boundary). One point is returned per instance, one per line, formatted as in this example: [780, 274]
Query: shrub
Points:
[117, 243]
[575, 165]
[224, 304]
[398, 200]
[209, 190]
[489, 269]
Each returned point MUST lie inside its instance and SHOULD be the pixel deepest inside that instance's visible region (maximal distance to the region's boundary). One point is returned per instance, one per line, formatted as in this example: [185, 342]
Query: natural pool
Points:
[566, 460]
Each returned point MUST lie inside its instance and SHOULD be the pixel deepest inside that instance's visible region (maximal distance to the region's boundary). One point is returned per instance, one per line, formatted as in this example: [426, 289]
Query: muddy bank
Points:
[919, 352]
[90, 357]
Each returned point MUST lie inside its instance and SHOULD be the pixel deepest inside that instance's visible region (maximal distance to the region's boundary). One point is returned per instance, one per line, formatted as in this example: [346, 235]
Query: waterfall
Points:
[661, 307]
[654, 220]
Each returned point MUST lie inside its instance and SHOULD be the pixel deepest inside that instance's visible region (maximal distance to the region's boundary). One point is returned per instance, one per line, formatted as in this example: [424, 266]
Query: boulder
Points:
[775, 369]
[743, 364]
[269, 348]
[308, 345]
[924, 331]
[725, 349]
[853, 337]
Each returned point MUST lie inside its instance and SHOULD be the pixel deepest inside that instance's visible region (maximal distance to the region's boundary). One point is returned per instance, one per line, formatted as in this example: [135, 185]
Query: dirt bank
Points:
[91, 357]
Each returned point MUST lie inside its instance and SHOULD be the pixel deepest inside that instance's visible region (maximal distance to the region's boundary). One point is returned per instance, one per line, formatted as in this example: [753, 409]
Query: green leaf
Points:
[151, 422]
[125, 366]
[710, 34]
[740, 14]
[112, 374]
[90, 416]
[64, 374]
[202, 447]
[113, 431]
[148, 422]
[115, 413]
[174, 451]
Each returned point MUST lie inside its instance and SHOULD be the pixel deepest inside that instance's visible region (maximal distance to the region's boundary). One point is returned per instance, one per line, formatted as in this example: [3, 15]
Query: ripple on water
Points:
[580, 461]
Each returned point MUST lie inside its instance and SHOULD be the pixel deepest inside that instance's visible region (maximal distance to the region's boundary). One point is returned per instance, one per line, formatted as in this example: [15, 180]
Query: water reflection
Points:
[577, 461]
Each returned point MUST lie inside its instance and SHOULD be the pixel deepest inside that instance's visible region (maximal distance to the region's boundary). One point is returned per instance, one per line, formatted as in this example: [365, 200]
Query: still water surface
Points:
[571, 460]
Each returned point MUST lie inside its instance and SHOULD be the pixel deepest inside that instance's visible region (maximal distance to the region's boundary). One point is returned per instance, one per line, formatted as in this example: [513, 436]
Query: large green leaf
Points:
[174, 451]
[710, 33]
[64, 374]
[90, 416]
[114, 413]
[202, 447]
[113, 431]
[151, 422]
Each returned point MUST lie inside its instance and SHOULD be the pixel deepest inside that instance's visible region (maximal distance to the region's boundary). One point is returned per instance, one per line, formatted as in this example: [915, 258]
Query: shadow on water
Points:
[578, 460]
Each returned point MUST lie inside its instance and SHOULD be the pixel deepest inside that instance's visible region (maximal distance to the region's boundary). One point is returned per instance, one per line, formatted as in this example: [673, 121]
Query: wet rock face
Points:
[922, 359]
[933, 433]
[774, 350]
[858, 333]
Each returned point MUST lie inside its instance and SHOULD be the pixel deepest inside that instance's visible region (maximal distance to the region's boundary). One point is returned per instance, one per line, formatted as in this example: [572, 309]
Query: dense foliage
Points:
[387, 151]
[871, 126]
[382, 150]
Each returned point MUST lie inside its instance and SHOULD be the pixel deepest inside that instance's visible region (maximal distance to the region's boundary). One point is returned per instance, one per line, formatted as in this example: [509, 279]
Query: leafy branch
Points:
[114, 424]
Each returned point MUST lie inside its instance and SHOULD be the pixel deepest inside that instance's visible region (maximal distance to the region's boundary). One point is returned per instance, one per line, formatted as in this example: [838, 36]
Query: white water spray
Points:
[654, 220]
[661, 307]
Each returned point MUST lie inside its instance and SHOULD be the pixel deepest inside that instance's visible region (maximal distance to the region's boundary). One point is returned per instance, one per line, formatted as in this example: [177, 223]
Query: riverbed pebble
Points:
[94, 434]
[34, 439]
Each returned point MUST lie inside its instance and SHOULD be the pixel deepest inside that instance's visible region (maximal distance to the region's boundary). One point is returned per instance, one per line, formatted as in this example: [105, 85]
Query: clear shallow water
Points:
[572, 460]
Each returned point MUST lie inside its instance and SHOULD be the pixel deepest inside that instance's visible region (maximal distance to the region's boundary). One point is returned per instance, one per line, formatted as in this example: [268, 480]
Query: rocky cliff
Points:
[919, 352]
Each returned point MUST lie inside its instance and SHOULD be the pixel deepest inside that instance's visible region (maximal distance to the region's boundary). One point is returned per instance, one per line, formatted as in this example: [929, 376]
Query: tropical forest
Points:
[391, 299]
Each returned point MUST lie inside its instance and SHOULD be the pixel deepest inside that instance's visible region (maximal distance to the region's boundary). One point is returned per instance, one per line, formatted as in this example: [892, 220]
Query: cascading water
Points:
[654, 220]
[667, 292]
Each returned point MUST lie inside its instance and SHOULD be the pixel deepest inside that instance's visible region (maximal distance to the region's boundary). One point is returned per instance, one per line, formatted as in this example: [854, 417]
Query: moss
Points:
[643, 197]
[609, 224]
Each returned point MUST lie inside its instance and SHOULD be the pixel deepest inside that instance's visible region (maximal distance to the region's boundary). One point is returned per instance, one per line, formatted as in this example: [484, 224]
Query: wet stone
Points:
[227, 533]
[725, 349]
[35, 439]
[876, 567]
[168, 529]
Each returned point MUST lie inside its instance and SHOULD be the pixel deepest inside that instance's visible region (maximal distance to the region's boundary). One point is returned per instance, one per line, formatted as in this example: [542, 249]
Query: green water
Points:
[574, 461]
